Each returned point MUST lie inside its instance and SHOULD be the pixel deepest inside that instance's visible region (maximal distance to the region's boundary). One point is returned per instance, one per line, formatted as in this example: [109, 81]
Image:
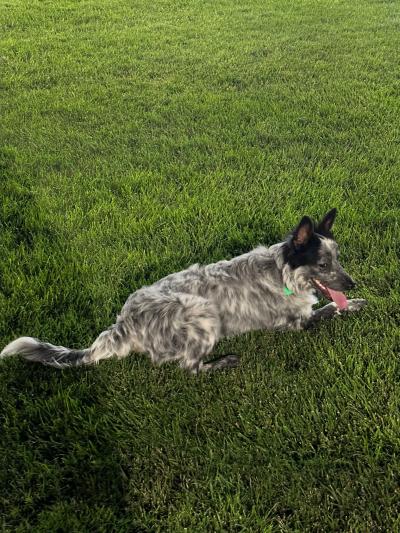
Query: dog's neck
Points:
[292, 281]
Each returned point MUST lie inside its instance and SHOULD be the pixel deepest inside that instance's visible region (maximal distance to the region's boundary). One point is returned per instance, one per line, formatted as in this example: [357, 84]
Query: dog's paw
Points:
[228, 361]
[355, 305]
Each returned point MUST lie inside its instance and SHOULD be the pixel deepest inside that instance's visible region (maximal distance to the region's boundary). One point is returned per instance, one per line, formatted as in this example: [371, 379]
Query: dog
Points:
[182, 316]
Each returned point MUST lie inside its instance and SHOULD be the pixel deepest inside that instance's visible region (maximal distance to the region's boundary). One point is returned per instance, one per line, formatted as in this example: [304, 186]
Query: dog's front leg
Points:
[331, 310]
[355, 305]
[328, 311]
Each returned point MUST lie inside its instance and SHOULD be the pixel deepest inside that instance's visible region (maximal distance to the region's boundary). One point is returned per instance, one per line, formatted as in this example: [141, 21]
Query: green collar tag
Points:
[287, 291]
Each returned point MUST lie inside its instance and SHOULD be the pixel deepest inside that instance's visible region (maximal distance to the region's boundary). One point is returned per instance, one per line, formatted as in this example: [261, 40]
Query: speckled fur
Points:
[182, 316]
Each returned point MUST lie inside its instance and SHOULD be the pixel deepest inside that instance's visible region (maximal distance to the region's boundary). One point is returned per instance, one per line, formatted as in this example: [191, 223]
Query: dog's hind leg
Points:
[202, 330]
[228, 361]
[199, 345]
[180, 327]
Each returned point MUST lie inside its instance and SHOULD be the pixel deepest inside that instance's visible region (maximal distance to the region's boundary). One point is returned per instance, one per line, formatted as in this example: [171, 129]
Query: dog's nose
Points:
[352, 284]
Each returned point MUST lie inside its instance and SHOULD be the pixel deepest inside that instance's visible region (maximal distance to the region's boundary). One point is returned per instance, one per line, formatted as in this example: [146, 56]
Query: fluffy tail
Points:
[116, 341]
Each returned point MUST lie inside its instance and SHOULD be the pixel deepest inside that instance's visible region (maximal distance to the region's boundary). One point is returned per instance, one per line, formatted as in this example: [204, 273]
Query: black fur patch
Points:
[324, 232]
[303, 255]
[324, 227]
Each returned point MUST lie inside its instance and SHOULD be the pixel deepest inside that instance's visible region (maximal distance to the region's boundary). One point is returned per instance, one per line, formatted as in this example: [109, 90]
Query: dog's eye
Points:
[323, 266]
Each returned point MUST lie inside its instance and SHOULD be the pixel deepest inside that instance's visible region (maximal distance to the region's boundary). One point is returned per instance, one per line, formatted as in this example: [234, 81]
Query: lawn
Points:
[137, 138]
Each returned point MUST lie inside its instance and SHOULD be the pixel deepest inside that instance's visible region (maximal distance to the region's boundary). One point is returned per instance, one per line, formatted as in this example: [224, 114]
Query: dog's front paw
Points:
[355, 305]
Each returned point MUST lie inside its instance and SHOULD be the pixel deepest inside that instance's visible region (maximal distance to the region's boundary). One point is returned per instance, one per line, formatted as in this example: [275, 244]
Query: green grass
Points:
[139, 137]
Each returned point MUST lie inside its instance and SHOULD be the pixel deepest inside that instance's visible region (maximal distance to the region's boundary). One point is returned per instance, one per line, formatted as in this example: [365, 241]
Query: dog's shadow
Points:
[56, 438]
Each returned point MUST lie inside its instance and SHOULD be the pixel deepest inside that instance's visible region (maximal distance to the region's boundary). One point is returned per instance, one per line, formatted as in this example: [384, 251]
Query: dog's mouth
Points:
[335, 296]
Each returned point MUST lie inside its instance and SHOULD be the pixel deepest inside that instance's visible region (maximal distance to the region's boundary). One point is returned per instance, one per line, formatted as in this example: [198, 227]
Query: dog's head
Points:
[312, 254]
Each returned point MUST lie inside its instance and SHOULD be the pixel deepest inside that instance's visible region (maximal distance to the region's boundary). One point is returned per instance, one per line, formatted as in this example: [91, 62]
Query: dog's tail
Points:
[115, 341]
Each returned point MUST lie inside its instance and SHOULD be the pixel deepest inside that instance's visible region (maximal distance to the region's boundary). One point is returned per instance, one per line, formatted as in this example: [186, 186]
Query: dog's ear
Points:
[325, 226]
[303, 233]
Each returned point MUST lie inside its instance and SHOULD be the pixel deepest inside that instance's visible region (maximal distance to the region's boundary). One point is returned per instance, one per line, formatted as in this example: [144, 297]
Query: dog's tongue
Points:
[338, 297]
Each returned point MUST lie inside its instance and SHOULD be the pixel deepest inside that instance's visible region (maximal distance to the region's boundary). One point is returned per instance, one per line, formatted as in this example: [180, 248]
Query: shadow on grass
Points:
[59, 456]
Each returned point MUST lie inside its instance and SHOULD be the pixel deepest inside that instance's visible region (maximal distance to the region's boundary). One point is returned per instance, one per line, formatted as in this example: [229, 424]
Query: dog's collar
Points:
[287, 291]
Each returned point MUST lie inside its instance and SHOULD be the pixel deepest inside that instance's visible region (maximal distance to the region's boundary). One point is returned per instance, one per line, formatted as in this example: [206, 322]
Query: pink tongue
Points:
[338, 297]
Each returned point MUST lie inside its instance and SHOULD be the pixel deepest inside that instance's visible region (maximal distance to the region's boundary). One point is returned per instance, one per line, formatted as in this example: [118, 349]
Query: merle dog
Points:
[182, 316]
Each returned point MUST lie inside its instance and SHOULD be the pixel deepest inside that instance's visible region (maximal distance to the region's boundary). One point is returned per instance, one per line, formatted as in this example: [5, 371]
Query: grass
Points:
[137, 138]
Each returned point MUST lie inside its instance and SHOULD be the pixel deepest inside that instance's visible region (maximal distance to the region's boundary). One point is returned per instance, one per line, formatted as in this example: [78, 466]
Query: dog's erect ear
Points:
[325, 226]
[303, 233]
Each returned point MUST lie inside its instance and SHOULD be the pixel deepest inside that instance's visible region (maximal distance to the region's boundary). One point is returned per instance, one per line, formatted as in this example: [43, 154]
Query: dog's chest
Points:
[301, 305]
[248, 308]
